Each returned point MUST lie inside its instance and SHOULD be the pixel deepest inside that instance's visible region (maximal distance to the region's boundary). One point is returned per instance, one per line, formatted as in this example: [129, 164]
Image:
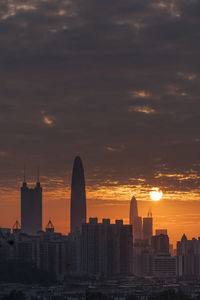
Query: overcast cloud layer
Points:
[115, 81]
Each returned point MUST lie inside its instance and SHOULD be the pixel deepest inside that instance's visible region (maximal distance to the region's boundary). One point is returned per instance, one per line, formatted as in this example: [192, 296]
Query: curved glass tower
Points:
[135, 220]
[78, 195]
[133, 210]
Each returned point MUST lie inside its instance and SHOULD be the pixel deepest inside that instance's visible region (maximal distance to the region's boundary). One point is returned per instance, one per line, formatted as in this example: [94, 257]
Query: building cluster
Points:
[95, 249]
[151, 254]
[188, 258]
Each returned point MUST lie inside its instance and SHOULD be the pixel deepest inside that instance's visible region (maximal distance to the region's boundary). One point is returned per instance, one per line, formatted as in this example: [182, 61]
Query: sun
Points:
[156, 194]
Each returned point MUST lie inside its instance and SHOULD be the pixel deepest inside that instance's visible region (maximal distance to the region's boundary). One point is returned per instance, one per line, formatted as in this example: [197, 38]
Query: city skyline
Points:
[116, 82]
[77, 168]
[95, 248]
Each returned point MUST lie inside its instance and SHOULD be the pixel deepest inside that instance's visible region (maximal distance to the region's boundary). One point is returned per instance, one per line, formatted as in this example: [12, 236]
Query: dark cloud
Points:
[115, 81]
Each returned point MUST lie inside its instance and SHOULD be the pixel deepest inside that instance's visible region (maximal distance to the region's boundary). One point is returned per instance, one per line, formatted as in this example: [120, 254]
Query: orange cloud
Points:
[48, 120]
[142, 109]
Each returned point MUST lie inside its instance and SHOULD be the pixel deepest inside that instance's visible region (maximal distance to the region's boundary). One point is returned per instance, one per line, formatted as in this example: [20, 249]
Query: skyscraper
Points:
[78, 196]
[148, 227]
[107, 248]
[135, 221]
[160, 243]
[31, 208]
[133, 210]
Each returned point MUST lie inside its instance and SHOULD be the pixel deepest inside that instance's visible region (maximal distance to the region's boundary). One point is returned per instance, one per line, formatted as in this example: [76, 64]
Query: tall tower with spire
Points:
[31, 207]
[78, 195]
[135, 220]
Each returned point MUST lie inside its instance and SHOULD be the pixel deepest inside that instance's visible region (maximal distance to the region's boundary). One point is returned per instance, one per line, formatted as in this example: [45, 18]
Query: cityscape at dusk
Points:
[116, 82]
[100, 143]
[110, 200]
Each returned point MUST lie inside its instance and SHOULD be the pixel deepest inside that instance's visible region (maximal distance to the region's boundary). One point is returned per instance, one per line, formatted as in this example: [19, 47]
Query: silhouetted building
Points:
[142, 258]
[188, 258]
[133, 210]
[74, 253]
[164, 265]
[106, 248]
[5, 234]
[160, 243]
[31, 208]
[135, 220]
[52, 250]
[148, 227]
[78, 195]
[48, 251]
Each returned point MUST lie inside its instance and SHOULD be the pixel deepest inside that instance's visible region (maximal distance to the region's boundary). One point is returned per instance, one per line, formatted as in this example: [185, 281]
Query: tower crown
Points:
[16, 227]
[50, 227]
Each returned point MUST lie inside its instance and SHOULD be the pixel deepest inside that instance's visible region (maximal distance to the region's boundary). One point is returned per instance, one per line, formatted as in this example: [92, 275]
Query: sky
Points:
[114, 81]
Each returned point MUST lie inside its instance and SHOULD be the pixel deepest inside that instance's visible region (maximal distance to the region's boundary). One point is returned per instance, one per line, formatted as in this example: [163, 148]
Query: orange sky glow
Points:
[177, 211]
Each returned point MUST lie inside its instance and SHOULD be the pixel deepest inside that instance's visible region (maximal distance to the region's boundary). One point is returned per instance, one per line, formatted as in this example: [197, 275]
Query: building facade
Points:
[31, 208]
[148, 227]
[188, 258]
[106, 248]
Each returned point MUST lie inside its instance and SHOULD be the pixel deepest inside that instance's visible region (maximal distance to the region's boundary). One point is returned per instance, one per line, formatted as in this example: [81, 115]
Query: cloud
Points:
[169, 6]
[104, 74]
[48, 120]
[116, 149]
[142, 109]
[188, 76]
[140, 94]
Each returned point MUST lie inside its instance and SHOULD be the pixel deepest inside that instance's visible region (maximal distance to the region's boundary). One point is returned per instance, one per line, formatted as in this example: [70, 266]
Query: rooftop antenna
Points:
[38, 174]
[24, 173]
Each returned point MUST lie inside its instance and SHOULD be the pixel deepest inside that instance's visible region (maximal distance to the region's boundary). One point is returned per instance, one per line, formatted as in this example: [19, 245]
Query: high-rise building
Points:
[188, 258]
[31, 208]
[135, 220]
[164, 265]
[133, 210]
[148, 227]
[78, 195]
[142, 258]
[47, 250]
[160, 243]
[106, 248]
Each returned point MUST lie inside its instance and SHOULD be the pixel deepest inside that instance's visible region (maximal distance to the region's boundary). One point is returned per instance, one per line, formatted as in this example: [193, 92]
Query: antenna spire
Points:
[38, 174]
[24, 173]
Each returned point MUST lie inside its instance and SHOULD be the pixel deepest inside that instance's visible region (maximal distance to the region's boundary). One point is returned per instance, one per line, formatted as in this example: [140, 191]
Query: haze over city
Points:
[116, 82]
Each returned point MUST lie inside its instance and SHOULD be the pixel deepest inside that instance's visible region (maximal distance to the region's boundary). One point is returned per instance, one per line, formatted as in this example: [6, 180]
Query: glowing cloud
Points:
[145, 109]
[140, 94]
[48, 120]
[171, 8]
[13, 8]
